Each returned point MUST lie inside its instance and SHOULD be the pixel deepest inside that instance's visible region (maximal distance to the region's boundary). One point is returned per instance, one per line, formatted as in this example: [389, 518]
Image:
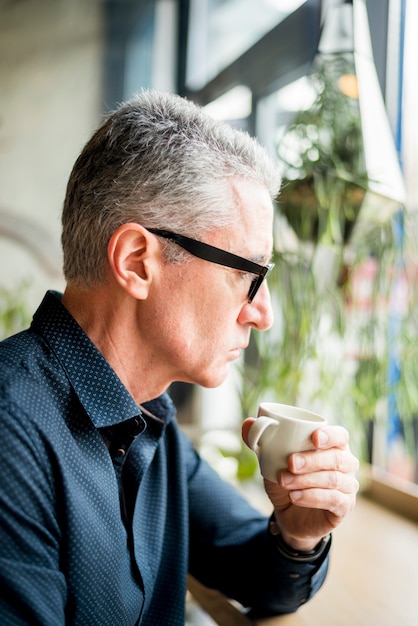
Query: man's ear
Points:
[132, 254]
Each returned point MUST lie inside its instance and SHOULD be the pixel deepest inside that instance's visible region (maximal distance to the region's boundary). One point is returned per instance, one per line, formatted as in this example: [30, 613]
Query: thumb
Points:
[246, 425]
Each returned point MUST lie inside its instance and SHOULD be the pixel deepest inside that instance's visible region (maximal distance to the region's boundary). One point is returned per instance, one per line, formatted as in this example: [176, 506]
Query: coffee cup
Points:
[278, 431]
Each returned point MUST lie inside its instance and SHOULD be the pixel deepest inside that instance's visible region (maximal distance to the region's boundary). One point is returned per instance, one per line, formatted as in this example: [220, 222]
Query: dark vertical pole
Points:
[183, 27]
[114, 52]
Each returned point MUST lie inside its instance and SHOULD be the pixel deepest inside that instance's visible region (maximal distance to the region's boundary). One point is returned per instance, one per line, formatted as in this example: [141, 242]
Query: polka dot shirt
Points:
[104, 505]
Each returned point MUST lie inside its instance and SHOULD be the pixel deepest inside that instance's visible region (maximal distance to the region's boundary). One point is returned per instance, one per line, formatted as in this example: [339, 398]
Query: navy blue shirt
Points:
[105, 506]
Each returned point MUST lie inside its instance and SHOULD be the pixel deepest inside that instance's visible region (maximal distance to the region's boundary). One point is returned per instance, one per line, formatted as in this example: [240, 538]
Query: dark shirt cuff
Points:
[309, 556]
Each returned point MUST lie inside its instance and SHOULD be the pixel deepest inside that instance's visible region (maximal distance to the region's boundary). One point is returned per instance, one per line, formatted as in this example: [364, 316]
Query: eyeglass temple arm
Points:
[211, 253]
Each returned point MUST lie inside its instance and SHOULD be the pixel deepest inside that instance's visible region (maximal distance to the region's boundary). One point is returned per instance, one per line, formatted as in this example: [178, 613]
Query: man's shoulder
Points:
[29, 357]
[20, 352]
[29, 371]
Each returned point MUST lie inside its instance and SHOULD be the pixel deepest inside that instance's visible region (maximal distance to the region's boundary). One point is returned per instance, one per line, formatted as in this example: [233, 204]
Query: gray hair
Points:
[159, 161]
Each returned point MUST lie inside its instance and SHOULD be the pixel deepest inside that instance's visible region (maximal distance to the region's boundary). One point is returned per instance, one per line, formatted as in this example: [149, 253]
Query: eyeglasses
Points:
[221, 257]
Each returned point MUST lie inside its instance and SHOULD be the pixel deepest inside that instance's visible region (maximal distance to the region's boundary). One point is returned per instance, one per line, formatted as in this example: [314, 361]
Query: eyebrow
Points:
[262, 258]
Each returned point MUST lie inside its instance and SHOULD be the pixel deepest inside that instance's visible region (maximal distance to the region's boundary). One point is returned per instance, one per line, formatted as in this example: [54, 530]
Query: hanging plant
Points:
[324, 177]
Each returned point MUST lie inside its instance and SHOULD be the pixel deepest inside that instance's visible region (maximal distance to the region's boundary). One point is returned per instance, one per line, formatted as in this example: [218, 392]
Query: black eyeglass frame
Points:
[221, 257]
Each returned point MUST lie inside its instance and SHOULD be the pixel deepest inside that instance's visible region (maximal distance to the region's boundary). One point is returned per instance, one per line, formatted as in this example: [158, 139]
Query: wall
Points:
[50, 92]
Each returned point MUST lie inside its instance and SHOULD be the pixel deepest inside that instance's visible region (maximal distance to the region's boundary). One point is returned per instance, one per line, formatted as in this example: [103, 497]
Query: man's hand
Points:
[317, 490]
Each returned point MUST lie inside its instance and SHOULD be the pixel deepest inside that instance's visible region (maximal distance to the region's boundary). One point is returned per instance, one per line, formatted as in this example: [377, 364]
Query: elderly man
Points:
[104, 504]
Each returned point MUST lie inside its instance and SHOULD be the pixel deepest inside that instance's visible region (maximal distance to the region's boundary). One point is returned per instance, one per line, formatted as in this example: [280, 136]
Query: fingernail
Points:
[287, 478]
[298, 462]
[323, 437]
[295, 495]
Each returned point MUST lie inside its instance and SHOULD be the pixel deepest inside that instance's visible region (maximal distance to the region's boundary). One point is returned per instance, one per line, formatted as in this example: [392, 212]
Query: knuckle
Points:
[338, 460]
[341, 503]
[334, 480]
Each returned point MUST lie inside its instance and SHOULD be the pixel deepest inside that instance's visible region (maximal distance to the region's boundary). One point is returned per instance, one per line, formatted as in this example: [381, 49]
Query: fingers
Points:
[331, 491]
[323, 478]
[336, 502]
[338, 459]
[330, 437]
[246, 427]
[332, 453]
[331, 480]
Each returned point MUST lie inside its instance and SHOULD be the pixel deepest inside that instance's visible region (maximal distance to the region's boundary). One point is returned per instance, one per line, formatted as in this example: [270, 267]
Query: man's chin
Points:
[214, 379]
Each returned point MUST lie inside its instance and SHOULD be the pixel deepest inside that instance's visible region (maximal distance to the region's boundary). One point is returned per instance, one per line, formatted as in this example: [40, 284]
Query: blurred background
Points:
[328, 87]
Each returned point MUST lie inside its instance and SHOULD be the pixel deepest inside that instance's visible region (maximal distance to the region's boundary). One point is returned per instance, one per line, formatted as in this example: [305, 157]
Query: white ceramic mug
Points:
[278, 431]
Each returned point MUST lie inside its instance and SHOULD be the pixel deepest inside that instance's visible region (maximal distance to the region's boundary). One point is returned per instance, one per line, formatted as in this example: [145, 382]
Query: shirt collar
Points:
[99, 389]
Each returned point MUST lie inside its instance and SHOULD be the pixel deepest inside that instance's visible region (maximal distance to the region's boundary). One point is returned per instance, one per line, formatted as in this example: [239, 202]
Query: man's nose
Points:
[258, 313]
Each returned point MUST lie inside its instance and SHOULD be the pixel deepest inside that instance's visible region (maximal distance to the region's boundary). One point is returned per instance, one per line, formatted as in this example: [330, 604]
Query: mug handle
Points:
[258, 428]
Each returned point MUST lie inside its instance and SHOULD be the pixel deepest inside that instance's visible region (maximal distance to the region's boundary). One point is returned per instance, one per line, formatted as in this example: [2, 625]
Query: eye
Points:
[247, 276]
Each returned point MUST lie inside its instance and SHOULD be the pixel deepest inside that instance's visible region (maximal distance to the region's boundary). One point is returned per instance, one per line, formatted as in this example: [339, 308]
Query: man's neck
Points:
[108, 317]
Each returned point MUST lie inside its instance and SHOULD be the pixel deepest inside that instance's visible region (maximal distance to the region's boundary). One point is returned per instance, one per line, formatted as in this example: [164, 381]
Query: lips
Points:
[237, 351]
